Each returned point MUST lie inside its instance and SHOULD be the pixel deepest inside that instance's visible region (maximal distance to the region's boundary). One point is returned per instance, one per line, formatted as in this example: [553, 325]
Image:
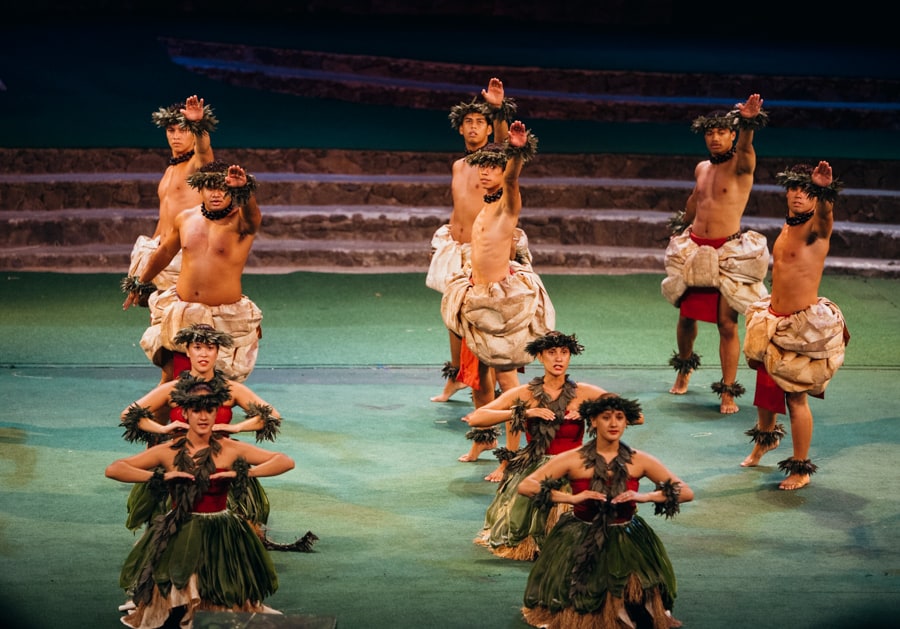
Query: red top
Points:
[588, 509]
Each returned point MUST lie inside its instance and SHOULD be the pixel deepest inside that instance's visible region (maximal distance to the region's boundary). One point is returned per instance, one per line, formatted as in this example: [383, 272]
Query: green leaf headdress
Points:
[197, 394]
[203, 333]
[460, 111]
[554, 339]
[171, 115]
[610, 401]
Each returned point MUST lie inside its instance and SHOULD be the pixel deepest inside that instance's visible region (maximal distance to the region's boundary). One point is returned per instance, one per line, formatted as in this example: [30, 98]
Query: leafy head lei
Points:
[554, 339]
[212, 176]
[196, 394]
[495, 154]
[589, 409]
[203, 333]
[459, 112]
[167, 116]
[800, 176]
[714, 120]
[731, 120]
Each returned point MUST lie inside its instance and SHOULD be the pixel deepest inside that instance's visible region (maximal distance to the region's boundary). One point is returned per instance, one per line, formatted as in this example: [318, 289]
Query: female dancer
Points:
[156, 417]
[199, 555]
[546, 409]
[602, 565]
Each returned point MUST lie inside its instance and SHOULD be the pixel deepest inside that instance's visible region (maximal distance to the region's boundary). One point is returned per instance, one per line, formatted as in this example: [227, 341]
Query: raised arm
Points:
[194, 111]
[242, 188]
[521, 147]
[750, 112]
[824, 189]
[493, 96]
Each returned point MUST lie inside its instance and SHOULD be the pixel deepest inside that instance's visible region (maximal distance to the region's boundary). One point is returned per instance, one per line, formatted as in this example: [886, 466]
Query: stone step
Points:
[393, 224]
[355, 256]
[55, 191]
[857, 173]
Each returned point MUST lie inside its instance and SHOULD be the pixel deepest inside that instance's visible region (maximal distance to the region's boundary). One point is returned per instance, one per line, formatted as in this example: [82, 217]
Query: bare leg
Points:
[729, 353]
[765, 423]
[685, 335]
[801, 437]
[480, 397]
[452, 385]
[507, 380]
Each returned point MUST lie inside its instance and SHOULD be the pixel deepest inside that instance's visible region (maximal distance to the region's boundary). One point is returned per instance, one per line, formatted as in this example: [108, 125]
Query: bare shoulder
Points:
[587, 390]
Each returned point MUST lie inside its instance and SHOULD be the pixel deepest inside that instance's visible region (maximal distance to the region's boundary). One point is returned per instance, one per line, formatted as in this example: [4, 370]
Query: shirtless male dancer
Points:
[215, 238]
[187, 127]
[495, 304]
[475, 122]
[795, 339]
[713, 270]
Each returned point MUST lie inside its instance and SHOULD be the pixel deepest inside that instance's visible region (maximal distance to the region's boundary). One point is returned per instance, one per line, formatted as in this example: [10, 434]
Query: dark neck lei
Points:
[543, 432]
[490, 198]
[723, 157]
[610, 479]
[799, 219]
[180, 159]
[217, 214]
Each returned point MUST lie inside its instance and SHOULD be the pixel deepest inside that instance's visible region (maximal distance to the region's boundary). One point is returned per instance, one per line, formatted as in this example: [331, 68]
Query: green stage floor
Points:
[350, 361]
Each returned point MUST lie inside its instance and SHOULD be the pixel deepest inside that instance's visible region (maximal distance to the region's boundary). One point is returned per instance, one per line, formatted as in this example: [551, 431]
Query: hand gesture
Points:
[132, 299]
[822, 175]
[518, 134]
[236, 177]
[175, 427]
[493, 95]
[541, 413]
[752, 107]
[193, 108]
[584, 496]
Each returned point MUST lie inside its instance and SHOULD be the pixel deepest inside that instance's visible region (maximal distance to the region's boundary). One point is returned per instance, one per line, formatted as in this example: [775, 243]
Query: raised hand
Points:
[235, 177]
[493, 95]
[752, 107]
[822, 175]
[193, 108]
[518, 134]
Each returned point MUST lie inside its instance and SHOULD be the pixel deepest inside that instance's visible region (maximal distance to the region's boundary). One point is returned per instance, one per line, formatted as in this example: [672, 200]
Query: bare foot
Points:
[681, 383]
[728, 405]
[497, 475]
[450, 388]
[794, 481]
[753, 458]
[476, 449]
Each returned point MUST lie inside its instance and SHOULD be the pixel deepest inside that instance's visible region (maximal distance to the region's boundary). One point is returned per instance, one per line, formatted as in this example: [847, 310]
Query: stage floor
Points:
[351, 362]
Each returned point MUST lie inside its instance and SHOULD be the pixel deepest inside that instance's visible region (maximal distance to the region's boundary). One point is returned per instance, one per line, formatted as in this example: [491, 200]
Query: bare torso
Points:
[213, 258]
[175, 194]
[491, 237]
[798, 261]
[468, 195]
[720, 197]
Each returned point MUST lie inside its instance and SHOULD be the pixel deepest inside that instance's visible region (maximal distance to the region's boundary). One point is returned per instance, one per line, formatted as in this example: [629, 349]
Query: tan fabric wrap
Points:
[144, 247]
[801, 351]
[498, 320]
[737, 268]
[241, 320]
[448, 257]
